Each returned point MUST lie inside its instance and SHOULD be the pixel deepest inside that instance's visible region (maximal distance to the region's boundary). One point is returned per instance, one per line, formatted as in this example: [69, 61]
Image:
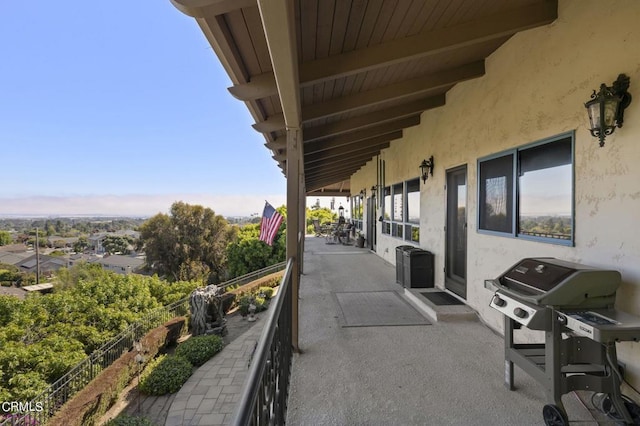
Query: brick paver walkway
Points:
[210, 395]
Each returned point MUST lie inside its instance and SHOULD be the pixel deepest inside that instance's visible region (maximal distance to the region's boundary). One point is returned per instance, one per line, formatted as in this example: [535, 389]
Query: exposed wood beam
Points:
[279, 30]
[346, 150]
[369, 132]
[278, 18]
[325, 145]
[259, 87]
[438, 81]
[421, 45]
[429, 43]
[271, 124]
[333, 179]
[279, 143]
[319, 192]
[198, 8]
[373, 118]
[347, 167]
[319, 186]
[366, 137]
[330, 165]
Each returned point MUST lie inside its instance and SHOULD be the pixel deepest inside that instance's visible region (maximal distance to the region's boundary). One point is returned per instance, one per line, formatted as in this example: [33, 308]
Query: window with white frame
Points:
[402, 210]
[386, 223]
[356, 209]
[527, 192]
[412, 212]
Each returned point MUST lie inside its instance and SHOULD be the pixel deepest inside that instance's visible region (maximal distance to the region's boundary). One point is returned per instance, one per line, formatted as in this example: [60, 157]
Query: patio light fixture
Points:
[373, 191]
[363, 193]
[606, 107]
[341, 211]
[426, 168]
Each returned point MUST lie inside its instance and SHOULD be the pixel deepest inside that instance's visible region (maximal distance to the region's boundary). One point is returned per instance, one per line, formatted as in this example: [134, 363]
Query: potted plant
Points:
[360, 240]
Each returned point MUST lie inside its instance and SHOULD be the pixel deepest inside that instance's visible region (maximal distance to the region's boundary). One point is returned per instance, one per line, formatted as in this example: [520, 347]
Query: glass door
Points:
[456, 232]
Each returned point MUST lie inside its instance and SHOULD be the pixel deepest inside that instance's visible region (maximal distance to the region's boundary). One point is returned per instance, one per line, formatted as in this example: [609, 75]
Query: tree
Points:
[81, 244]
[322, 214]
[180, 244]
[5, 238]
[247, 253]
[44, 336]
[113, 244]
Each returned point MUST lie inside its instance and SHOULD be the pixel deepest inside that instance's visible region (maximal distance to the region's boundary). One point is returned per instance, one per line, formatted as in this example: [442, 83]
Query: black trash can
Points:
[418, 268]
[400, 250]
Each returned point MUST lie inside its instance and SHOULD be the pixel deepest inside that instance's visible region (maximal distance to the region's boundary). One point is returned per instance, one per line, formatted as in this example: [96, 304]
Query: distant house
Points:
[13, 248]
[95, 242]
[77, 258]
[60, 242]
[122, 264]
[48, 264]
[10, 258]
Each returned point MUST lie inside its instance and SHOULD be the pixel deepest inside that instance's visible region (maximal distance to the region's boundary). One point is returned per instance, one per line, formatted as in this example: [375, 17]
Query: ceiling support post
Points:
[294, 237]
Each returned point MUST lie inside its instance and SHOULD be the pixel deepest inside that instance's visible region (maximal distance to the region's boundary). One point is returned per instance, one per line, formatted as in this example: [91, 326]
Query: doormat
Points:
[440, 298]
[376, 309]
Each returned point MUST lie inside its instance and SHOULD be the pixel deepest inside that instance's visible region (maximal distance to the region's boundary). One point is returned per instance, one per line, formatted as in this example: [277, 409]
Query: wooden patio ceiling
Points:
[366, 69]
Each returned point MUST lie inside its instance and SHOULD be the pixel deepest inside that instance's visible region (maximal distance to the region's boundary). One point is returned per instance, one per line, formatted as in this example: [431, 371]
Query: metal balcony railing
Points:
[39, 410]
[264, 399]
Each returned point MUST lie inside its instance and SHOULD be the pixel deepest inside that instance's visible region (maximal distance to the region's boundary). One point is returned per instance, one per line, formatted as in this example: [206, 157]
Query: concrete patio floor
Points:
[447, 373]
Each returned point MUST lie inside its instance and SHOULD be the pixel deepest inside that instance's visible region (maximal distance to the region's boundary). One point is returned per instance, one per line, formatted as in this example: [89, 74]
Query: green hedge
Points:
[165, 374]
[90, 404]
[198, 350]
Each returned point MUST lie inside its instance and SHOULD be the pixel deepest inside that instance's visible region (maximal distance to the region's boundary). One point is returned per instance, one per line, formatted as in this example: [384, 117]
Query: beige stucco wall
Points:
[534, 88]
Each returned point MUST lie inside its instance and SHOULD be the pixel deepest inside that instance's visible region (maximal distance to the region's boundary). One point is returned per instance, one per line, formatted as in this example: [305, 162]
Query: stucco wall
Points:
[534, 88]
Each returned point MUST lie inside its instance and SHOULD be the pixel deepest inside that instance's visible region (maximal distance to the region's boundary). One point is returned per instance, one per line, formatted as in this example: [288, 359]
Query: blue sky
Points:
[121, 107]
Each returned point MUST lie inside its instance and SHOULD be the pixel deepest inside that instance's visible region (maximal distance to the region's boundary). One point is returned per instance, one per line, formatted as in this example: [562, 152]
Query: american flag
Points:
[269, 224]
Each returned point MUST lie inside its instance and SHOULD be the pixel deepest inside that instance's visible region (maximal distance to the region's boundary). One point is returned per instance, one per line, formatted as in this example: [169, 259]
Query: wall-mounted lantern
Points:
[341, 211]
[363, 193]
[606, 107]
[373, 191]
[426, 169]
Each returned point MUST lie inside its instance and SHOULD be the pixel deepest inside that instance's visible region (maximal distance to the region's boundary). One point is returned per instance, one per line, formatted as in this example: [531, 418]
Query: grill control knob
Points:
[520, 313]
[498, 301]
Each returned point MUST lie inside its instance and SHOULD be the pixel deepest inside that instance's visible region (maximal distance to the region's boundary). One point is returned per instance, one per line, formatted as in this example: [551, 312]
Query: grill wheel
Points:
[553, 416]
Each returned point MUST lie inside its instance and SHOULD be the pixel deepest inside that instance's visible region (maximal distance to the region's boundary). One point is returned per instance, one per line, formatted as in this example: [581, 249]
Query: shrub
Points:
[198, 350]
[165, 374]
[267, 291]
[247, 299]
[128, 420]
[261, 303]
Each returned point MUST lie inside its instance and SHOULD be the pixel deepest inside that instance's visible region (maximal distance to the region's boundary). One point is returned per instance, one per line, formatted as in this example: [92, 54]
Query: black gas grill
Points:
[573, 304]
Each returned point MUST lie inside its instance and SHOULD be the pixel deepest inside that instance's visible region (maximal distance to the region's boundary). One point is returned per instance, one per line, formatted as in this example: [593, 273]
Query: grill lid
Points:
[554, 282]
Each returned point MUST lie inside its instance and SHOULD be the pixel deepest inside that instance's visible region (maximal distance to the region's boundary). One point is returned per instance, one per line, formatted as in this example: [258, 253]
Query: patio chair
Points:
[345, 234]
[316, 227]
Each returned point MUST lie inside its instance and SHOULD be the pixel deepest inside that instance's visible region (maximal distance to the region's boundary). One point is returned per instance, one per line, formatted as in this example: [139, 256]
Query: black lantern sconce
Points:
[426, 168]
[373, 191]
[363, 193]
[341, 211]
[606, 108]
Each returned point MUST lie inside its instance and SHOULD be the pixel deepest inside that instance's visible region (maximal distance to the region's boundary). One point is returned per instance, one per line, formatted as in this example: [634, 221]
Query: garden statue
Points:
[207, 315]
